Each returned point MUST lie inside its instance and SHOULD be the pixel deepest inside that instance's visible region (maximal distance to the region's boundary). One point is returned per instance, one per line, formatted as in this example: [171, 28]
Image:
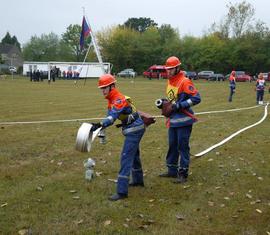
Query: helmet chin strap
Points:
[177, 70]
[112, 86]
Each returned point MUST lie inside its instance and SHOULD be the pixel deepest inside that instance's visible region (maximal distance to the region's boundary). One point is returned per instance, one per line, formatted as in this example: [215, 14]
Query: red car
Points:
[156, 71]
[241, 76]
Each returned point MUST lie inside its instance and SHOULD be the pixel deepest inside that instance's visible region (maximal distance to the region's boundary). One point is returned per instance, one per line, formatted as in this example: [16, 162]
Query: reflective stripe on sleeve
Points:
[189, 101]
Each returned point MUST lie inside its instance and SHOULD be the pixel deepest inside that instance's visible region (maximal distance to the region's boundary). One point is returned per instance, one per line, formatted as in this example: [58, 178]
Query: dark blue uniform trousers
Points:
[232, 88]
[130, 162]
[178, 146]
[260, 94]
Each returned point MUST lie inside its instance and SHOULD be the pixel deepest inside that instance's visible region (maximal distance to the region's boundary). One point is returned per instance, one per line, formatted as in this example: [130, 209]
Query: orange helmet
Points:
[172, 62]
[106, 80]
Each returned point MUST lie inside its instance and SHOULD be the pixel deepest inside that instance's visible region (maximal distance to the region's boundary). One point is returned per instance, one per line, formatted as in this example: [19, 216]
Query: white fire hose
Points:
[85, 137]
[234, 134]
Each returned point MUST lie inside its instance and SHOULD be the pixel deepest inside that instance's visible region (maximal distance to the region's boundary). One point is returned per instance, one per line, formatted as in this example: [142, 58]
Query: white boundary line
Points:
[96, 118]
[234, 134]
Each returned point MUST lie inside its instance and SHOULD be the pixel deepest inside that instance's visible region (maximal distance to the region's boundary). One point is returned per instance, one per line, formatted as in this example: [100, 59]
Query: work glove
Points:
[95, 126]
[166, 109]
[176, 107]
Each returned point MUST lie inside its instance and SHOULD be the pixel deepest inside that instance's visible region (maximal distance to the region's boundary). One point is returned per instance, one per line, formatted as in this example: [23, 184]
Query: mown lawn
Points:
[42, 185]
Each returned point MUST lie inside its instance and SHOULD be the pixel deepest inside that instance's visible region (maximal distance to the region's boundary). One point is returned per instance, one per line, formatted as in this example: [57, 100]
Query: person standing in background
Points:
[232, 85]
[260, 85]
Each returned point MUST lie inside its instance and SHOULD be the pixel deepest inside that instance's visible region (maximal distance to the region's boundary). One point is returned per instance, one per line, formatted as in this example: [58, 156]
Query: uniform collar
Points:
[177, 76]
[112, 94]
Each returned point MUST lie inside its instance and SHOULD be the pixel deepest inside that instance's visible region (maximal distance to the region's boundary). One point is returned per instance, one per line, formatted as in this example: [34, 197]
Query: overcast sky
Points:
[26, 18]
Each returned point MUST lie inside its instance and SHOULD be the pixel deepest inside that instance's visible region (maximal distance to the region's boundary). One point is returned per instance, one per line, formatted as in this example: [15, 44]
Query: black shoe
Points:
[136, 184]
[117, 197]
[167, 175]
[180, 180]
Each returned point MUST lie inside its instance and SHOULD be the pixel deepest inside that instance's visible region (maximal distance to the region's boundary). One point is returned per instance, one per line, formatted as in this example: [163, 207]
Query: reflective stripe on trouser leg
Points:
[172, 157]
[136, 172]
[183, 145]
[130, 148]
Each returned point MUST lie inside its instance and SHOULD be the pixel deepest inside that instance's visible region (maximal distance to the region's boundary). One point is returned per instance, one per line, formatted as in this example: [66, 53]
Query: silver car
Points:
[205, 74]
[130, 73]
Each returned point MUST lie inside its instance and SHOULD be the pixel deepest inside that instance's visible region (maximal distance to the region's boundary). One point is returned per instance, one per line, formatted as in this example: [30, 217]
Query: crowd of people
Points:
[39, 75]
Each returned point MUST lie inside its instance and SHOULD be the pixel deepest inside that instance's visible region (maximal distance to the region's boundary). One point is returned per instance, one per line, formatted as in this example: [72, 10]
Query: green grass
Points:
[39, 165]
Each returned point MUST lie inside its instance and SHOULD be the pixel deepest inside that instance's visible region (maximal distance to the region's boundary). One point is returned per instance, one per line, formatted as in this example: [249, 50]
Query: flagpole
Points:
[86, 52]
[96, 47]
[94, 43]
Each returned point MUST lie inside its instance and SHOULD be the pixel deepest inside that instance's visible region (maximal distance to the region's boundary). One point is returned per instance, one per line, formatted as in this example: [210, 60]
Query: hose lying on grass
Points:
[99, 118]
[234, 134]
[207, 112]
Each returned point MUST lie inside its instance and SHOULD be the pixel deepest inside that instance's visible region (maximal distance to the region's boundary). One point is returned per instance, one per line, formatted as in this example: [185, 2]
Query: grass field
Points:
[42, 185]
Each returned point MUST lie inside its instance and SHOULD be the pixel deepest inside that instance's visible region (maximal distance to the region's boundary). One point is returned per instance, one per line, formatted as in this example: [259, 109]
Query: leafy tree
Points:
[72, 40]
[116, 45]
[140, 24]
[44, 48]
[125, 47]
[190, 53]
[7, 39]
[11, 40]
[170, 42]
[147, 49]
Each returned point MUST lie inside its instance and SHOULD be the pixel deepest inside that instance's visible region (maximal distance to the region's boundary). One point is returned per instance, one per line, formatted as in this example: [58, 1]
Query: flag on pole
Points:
[84, 33]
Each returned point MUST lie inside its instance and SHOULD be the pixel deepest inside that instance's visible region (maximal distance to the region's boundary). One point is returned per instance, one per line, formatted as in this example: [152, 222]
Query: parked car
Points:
[156, 71]
[12, 69]
[130, 73]
[191, 75]
[266, 76]
[216, 77]
[240, 76]
[205, 74]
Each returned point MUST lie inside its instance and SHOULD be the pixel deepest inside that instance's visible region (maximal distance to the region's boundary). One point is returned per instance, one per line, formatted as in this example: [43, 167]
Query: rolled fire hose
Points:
[85, 137]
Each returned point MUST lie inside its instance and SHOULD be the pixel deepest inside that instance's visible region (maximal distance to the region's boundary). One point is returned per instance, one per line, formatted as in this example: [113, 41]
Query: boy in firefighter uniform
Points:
[260, 85]
[232, 85]
[181, 95]
[121, 107]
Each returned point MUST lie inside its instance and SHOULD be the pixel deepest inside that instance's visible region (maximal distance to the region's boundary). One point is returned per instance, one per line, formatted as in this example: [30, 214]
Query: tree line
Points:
[238, 42]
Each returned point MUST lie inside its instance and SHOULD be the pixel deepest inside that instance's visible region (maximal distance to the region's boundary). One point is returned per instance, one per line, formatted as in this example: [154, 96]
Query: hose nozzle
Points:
[159, 103]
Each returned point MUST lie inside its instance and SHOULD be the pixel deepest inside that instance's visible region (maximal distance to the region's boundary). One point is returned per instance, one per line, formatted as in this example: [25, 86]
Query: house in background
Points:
[10, 55]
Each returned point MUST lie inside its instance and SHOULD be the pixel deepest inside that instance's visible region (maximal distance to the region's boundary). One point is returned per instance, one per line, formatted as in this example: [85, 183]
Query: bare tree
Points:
[240, 17]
